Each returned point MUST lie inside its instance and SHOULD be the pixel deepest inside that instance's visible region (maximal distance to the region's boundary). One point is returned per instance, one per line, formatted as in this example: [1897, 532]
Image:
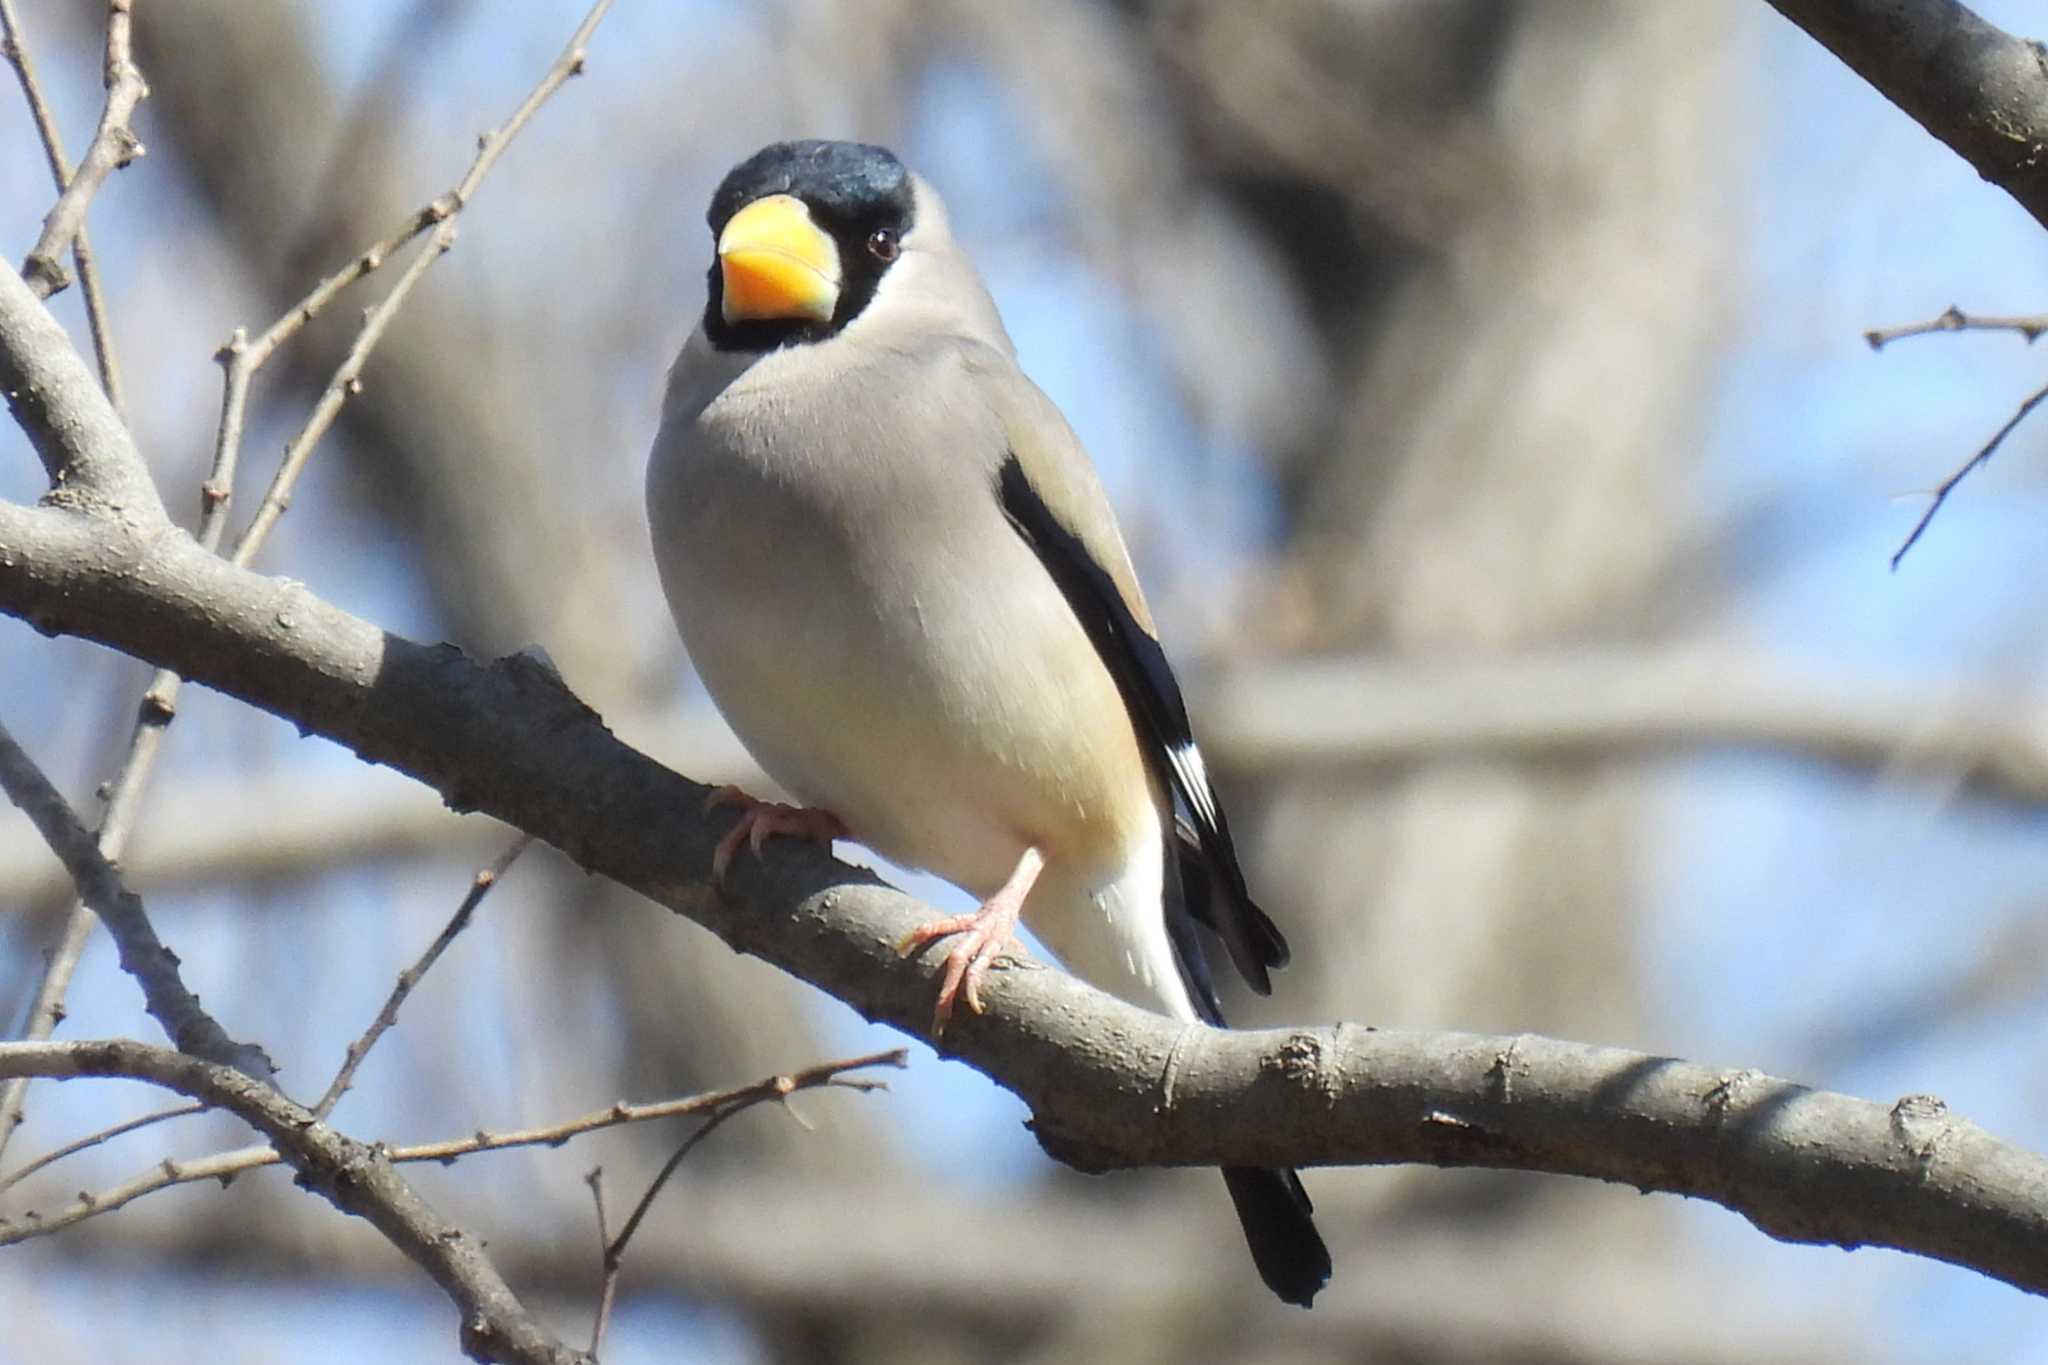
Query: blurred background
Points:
[1482, 387]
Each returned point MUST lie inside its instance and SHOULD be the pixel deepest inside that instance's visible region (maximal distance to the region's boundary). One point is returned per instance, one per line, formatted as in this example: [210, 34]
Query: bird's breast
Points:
[888, 648]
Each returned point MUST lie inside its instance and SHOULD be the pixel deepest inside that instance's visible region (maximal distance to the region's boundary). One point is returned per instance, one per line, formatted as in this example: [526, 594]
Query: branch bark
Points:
[114, 145]
[1108, 1084]
[143, 954]
[1976, 87]
[355, 1177]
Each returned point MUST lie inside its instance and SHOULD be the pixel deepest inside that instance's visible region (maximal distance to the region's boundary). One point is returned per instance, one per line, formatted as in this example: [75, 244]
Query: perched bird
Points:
[898, 575]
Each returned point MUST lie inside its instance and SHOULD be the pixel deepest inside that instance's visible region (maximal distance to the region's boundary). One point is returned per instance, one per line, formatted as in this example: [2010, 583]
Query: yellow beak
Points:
[777, 264]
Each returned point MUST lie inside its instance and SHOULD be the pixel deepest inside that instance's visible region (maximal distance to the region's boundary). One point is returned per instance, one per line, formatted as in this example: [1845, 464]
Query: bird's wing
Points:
[1052, 497]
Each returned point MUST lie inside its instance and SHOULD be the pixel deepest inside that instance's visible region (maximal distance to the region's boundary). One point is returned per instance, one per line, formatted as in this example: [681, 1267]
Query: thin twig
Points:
[608, 1282]
[355, 1178]
[778, 1088]
[346, 383]
[145, 742]
[615, 1254]
[143, 955]
[15, 48]
[225, 1166]
[92, 1140]
[240, 360]
[114, 145]
[441, 215]
[1963, 471]
[479, 887]
[1954, 319]
[124, 800]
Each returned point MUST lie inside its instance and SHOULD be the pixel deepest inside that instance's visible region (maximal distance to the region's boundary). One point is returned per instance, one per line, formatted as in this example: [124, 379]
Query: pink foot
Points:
[984, 935]
[761, 819]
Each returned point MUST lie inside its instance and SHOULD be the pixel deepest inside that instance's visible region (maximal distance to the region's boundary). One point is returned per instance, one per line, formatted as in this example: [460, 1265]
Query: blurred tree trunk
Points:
[1509, 471]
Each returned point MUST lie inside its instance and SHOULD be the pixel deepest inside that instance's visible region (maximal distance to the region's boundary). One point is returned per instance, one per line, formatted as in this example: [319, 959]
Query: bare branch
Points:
[46, 1010]
[608, 1279]
[113, 146]
[92, 1140]
[1974, 86]
[1954, 319]
[225, 1166]
[15, 47]
[347, 381]
[479, 887]
[508, 739]
[355, 1177]
[159, 702]
[143, 955]
[1260, 718]
[87, 453]
[1965, 469]
[777, 1088]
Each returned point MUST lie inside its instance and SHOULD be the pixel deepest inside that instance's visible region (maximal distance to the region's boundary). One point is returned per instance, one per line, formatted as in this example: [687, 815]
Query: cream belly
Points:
[934, 734]
[938, 726]
[838, 599]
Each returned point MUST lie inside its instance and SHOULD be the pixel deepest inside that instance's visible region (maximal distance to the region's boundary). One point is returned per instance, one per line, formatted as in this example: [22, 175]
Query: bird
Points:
[900, 580]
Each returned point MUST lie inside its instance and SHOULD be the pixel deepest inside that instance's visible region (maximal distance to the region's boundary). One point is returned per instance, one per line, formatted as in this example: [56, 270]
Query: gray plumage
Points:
[901, 582]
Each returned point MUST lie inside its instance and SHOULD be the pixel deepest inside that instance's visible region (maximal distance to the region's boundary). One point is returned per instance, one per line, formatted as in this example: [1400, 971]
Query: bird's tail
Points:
[1286, 1247]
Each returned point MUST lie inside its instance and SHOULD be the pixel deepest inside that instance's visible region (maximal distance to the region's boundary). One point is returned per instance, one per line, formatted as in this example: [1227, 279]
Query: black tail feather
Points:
[1219, 899]
[1286, 1247]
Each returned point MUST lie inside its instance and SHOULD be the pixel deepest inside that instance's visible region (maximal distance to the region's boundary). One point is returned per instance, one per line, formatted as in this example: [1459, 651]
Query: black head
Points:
[859, 197]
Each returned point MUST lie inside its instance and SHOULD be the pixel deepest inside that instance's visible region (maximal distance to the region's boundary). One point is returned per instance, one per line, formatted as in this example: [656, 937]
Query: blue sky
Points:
[1787, 903]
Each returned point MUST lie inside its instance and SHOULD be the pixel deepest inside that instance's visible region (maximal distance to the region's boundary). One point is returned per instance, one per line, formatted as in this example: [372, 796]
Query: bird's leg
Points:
[760, 819]
[983, 937]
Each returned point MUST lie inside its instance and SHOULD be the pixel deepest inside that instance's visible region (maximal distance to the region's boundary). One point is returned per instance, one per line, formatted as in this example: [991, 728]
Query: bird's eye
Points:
[882, 244]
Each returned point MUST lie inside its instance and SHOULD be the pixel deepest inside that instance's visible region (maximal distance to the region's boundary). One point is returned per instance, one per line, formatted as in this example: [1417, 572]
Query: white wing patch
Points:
[1186, 759]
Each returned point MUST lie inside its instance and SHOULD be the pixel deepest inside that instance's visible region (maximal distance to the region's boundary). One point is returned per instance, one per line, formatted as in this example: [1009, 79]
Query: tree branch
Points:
[355, 1177]
[143, 955]
[225, 1166]
[1977, 88]
[1108, 1084]
[479, 886]
[1261, 718]
[2027, 327]
[87, 453]
[1968, 467]
[114, 145]
[15, 49]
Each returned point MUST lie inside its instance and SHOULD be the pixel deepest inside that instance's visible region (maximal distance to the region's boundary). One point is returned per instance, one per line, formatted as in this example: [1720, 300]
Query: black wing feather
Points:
[1271, 1204]
[1213, 884]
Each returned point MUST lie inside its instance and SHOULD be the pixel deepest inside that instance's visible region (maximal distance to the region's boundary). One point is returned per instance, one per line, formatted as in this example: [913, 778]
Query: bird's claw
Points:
[985, 938]
[760, 820]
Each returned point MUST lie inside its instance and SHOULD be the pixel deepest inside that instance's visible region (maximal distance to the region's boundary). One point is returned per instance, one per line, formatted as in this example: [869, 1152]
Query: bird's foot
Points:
[984, 936]
[759, 820]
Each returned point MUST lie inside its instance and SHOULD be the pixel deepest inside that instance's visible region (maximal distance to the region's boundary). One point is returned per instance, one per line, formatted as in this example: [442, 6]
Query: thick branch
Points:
[88, 454]
[1978, 88]
[353, 1176]
[1260, 718]
[1108, 1084]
